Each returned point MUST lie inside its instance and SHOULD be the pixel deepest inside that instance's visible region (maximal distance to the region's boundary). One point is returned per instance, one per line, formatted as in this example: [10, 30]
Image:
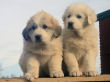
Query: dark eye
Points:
[79, 16]
[69, 16]
[34, 27]
[44, 26]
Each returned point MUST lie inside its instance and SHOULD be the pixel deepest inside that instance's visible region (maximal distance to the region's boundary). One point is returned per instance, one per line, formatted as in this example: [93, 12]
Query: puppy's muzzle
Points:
[70, 25]
[38, 38]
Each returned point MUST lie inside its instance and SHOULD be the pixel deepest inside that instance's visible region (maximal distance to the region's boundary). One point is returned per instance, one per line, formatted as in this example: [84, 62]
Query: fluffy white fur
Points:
[80, 41]
[45, 57]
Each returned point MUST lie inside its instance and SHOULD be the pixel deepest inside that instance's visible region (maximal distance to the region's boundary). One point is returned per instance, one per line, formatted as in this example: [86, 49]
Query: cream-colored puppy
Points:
[80, 38]
[42, 52]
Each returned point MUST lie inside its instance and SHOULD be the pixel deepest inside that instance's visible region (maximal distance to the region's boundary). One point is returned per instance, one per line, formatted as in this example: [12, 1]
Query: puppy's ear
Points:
[91, 17]
[57, 32]
[25, 34]
[56, 27]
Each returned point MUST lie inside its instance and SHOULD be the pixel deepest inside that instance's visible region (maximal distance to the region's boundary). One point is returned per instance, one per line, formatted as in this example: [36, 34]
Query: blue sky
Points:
[14, 15]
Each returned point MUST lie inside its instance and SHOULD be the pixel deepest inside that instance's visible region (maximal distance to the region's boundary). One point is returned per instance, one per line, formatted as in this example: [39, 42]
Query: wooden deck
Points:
[65, 79]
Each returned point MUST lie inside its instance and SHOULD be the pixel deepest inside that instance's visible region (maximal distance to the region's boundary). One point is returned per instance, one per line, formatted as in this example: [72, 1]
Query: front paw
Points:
[31, 76]
[90, 73]
[75, 73]
[56, 74]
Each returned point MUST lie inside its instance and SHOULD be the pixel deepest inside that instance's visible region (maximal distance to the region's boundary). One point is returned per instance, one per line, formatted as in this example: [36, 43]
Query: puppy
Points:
[42, 52]
[80, 40]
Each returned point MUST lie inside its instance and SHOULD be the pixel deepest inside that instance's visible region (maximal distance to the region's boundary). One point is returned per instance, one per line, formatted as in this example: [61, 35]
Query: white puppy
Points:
[42, 52]
[80, 38]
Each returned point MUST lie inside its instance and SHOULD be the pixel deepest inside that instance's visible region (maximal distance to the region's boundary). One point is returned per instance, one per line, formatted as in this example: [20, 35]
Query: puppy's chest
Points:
[76, 45]
[43, 60]
[43, 51]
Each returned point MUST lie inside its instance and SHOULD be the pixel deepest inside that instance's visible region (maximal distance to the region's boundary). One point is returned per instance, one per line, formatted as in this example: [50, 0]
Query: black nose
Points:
[70, 24]
[38, 38]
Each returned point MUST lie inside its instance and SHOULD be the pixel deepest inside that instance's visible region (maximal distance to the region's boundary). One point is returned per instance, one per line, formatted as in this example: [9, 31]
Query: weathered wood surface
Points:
[65, 79]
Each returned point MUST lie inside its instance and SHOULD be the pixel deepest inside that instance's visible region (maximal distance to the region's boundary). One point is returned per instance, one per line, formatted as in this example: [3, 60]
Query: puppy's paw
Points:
[75, 73]
[56, 74]
[31, 76]
[90, 73]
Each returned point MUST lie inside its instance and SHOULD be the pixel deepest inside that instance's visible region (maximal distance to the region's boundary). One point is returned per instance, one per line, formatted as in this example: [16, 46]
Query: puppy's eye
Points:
[79, 16]
[34, 27]
[44, 26]
[69, 16]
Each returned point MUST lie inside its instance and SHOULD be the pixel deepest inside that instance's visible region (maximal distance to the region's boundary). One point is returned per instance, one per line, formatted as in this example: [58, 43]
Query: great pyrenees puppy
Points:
[42, 52]
[80, 40]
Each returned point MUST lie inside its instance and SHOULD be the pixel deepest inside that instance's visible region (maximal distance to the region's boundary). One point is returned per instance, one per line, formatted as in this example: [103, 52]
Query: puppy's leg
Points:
[72, 64]
[32, 67]
[55, 66]
[89, 62]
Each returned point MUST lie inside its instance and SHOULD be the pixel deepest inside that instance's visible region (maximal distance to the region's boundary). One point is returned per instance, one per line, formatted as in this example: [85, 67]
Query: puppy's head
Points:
[41, 28]
[78, 16]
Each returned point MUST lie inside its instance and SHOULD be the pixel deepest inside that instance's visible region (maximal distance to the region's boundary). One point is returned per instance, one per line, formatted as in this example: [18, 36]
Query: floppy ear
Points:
[91, 17]
[25, 34]
[57, 32]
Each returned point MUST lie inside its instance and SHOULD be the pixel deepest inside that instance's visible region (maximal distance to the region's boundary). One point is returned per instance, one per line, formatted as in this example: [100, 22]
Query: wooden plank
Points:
[65, 79]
